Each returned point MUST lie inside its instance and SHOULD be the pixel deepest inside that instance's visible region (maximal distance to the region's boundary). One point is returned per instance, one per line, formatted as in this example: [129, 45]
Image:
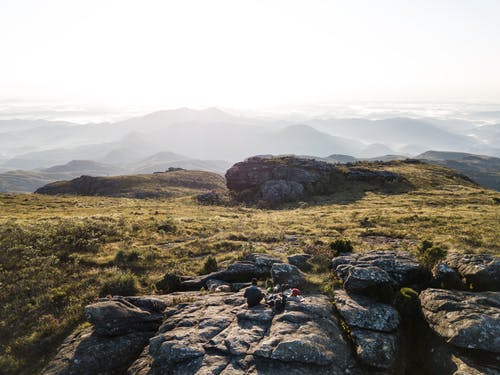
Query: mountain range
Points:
[34, 152]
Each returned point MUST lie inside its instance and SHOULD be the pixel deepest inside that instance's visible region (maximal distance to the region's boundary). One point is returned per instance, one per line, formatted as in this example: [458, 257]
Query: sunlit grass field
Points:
[59, 253]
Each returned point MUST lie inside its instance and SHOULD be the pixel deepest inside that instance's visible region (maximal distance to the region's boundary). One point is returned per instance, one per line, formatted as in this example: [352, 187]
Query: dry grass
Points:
[59, 253]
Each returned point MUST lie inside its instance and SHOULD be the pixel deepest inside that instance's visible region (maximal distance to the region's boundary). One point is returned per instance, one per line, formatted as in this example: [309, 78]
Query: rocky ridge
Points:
[376, 325]
[275, 180]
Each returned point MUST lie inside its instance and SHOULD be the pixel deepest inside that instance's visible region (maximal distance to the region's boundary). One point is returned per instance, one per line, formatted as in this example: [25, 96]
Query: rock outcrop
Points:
[479, 271]
[379, 273]
[218, 334]
[276, 180]
[463, 319]
[255, 265]
[119, 316]
[362, 332]
[287, 274]
[157, 185]
[85, 352]
[301, 261]
[122, 327]
[230, 338]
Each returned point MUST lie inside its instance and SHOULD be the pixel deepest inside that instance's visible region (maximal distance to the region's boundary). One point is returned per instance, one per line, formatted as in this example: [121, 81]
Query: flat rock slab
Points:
[373, 327]
[400, 266]
[376, 349]
[220, 335]
[118, 317]
[85, 352]
[363, 312]
[463, 319]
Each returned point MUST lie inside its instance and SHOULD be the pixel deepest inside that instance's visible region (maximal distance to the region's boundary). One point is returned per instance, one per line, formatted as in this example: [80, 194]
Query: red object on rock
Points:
[296, 292]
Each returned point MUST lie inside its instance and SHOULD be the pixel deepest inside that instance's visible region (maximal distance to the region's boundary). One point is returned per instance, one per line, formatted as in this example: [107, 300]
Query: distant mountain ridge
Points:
[485, 170]
[216, 135]
[214, 139]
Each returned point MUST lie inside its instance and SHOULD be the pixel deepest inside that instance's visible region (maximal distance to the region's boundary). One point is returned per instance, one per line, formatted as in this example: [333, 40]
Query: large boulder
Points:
[466, 320]
[283, 273]
[373, 328]
[305, 333]
[263, 263]
[481, 271]
[86, 352]
[372, 281]
[445, 277]
[402, 267]
[118, 317]
[363, 312]
[376, 349]
[301, 261]
[256, 171]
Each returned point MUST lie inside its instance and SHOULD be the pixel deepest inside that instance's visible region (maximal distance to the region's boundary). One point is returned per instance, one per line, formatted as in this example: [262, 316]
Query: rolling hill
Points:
[485, 170]
[26, 181]
[157, 185]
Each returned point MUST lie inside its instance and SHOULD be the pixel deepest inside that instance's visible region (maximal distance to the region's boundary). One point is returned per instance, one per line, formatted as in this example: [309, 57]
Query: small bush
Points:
[237, 237]
[430, 254]
[170, 282]
[366, 223]
[209, 266]
[9, 364]
[123, 257]
[167, 227]
[120, 283]
[342, 246]
[227, 246]
[321, 257]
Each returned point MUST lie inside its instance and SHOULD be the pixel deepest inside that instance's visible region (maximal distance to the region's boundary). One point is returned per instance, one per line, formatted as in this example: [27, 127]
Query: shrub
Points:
[366, 223]
[209, 266]
[321, 256]
[120, 283]
[430, 254]
[342, 246]
[123, 257]
[9, 364]
[169, 283]
[167, 226]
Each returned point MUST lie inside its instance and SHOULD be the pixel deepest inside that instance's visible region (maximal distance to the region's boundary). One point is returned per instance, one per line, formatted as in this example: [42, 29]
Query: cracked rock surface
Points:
[380, 269]
[463, 319]
[220, 335]
[373, 327]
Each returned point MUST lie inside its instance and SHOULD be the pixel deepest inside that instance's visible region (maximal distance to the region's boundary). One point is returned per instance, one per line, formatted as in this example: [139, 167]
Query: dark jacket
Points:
[254, 295]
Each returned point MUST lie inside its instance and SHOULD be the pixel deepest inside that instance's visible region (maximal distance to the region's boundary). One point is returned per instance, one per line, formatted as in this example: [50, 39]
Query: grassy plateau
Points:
[58, 253]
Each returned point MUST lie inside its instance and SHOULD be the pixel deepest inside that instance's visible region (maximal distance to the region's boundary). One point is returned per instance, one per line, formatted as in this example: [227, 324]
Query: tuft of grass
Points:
[120, 283]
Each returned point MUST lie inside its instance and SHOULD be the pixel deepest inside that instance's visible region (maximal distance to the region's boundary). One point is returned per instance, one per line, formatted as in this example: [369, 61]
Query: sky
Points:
[248, 54]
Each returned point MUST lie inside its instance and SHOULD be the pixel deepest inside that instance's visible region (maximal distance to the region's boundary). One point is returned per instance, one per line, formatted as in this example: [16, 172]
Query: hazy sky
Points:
[248, 53]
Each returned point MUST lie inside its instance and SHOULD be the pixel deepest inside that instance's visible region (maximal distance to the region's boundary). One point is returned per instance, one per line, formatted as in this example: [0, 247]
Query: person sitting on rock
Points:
[253, 294]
